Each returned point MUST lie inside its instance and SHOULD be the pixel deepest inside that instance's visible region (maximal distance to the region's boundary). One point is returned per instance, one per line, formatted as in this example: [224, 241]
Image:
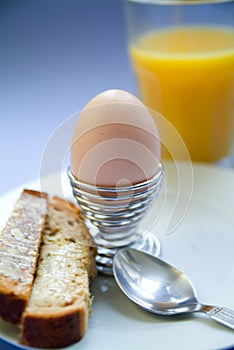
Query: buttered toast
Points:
[47, 259]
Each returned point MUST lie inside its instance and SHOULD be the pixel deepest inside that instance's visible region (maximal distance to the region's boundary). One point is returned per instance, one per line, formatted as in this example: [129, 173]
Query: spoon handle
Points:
[220, 314]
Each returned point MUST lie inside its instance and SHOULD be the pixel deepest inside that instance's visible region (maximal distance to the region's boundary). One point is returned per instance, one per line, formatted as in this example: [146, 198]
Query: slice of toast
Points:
[60, 303]
[19, 249]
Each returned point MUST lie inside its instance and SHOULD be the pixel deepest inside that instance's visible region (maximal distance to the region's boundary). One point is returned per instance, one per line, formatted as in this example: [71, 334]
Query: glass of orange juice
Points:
[182, 54]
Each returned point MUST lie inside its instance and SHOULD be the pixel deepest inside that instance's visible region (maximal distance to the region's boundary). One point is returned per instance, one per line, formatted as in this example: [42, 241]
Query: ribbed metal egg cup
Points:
[116, 214]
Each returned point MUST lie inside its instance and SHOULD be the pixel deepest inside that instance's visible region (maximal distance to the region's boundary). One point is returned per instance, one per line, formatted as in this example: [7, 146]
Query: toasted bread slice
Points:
[19, 249]
[60, 302]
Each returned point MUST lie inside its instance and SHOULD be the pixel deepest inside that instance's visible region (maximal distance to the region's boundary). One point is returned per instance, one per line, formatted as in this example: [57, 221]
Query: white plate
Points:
[202, 246]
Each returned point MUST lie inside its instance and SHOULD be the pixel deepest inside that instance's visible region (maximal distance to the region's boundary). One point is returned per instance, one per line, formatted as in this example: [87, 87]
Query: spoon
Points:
[160, 288]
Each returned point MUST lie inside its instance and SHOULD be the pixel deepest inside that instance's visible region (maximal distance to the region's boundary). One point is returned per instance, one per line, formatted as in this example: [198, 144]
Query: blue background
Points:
[55, 55]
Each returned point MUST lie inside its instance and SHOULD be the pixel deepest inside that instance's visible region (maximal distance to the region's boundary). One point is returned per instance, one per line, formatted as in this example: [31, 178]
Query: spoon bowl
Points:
[159, 287]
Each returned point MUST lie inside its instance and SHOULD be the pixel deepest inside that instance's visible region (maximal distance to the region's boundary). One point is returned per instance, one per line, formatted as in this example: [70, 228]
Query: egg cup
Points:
[113, 216]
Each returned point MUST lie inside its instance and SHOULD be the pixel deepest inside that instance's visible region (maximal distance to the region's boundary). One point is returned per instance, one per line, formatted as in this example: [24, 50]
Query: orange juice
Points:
[187, 74]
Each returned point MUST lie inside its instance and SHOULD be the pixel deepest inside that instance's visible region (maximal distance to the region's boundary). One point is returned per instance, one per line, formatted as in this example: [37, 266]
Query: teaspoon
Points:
[160, 288]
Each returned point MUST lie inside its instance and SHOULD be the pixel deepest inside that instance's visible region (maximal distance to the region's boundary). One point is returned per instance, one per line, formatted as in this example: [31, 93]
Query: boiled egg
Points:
[115, 141]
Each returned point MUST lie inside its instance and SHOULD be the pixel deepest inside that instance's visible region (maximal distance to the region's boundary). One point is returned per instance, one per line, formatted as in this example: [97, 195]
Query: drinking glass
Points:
[182, 54]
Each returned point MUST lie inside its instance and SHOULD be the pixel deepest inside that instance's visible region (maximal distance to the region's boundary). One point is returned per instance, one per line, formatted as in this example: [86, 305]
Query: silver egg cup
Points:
[113, 216]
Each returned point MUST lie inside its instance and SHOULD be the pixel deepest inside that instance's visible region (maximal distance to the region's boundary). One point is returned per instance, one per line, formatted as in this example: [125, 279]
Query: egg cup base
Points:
[146, 242]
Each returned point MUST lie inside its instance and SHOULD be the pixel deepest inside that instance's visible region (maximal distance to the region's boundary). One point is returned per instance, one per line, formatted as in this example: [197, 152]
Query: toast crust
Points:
[59, 330]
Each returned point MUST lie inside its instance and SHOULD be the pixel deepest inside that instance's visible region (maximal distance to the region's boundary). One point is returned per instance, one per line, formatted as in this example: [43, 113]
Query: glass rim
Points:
[178, 2]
